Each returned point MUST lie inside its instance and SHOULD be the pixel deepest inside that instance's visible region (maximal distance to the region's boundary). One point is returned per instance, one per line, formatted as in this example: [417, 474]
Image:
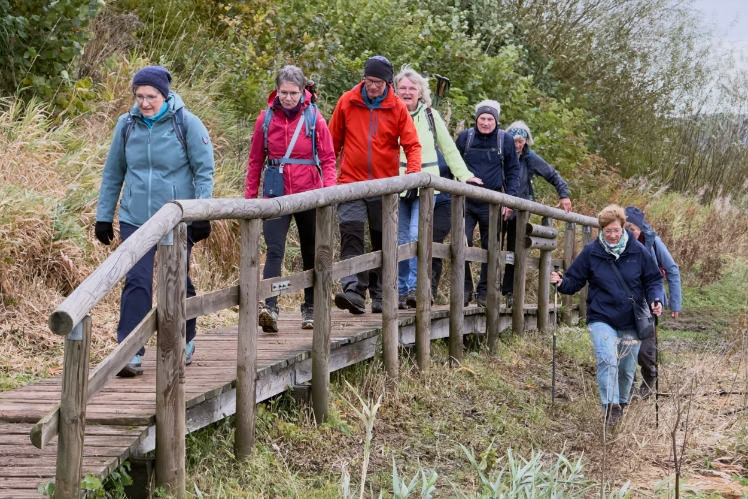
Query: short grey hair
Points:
[424, 92]
[291, 74]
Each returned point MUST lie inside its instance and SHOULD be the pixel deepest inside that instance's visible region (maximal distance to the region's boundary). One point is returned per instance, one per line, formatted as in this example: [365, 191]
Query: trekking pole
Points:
[555, 321]
[657, 369]
[442, 87]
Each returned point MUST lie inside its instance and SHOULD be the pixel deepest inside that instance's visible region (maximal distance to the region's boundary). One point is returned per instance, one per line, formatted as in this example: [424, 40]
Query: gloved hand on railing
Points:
[104, 232]
[200, 230]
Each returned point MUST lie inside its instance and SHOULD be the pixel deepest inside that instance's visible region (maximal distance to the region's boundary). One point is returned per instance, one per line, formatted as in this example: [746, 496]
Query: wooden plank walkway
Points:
[121, 418]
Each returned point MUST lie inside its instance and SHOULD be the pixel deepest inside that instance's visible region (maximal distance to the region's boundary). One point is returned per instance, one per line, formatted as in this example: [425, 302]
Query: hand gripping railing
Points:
[173, 309]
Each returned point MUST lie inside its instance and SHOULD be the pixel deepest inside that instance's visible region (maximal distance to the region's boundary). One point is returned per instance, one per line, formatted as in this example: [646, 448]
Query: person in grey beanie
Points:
[160, 152]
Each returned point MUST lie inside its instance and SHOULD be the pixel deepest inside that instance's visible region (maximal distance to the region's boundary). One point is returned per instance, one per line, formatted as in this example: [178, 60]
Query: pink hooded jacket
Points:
[296, 178]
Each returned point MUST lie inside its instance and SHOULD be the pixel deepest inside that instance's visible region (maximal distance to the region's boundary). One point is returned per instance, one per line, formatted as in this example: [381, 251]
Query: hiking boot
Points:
[189, 350]
[410, 300]
[480, 300]
[613, 415]
[269, 319]
[468, 296]
[402, 302]
[645, 390]
[350, 301]
[376, 305]
[509, 300]
[133, 368]
[307, 316]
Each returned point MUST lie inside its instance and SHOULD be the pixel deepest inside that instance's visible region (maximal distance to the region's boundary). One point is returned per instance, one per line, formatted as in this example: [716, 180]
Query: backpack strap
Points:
[470, 137]
[127, 130]
[180, 129]
[265, 127]
[431, 122]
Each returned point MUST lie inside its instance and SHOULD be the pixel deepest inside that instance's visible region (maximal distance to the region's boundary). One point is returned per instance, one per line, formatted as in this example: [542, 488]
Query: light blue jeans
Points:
[407, 232]
[616, 352]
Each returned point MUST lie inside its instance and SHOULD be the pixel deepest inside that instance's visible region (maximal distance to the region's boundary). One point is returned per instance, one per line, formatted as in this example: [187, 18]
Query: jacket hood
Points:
[389, 100]
[174, 101]
[304, 103]
[521, 125]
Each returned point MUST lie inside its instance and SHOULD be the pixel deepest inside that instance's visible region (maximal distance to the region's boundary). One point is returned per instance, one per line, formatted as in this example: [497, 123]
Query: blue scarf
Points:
[373, 104]
[616, 249]
[150, 121]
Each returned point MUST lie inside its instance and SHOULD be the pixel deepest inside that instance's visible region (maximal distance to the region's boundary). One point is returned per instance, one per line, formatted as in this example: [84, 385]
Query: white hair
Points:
[489, 103]
[424, 92]
[521, 125]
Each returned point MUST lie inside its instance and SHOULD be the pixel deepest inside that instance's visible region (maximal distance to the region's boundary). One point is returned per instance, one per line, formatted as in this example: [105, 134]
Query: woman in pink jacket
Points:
[293, 147]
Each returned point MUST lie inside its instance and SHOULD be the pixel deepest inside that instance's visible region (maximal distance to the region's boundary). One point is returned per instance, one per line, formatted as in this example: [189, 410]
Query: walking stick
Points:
[657, 369]
[555, 321]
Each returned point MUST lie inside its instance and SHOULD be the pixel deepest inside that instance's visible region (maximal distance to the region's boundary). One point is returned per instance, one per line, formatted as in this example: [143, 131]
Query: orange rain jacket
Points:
[366, 140]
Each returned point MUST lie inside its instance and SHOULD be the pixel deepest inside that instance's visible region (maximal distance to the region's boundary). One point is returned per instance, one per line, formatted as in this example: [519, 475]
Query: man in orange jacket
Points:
[368, 127]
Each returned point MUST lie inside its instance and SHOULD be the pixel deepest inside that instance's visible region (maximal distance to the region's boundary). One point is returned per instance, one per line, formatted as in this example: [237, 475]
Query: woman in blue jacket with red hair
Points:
[610, 312]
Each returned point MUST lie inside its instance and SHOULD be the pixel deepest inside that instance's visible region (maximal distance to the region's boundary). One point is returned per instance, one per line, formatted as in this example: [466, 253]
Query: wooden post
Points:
[457, 280]
[494, 264]
[520, 266]
[72, 419]
[544, 282]
[390, 330]
[246, 353]
[586, 233]
[423, 282]
[569, 243]
[323, 255]
[170, 357]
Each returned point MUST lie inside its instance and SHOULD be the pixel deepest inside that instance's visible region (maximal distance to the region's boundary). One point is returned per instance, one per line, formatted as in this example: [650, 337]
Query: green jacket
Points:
[154, 167]
[444, 140]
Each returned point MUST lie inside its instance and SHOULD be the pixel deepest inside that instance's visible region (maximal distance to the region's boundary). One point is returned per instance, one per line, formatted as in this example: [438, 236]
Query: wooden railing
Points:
[167, 229]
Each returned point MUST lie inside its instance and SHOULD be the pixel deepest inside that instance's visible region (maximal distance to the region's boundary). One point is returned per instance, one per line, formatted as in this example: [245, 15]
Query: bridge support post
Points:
[72, 419]
[390, 331]
[423, 283]
[586, 234]
[246, 352]
[170, 344]
[323, 255]
[544, 282]
[494, 264]
[569, 248]
[457, 280]
[520, 273]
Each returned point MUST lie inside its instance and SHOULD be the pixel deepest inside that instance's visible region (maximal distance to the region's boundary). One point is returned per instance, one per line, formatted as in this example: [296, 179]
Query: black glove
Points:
[200, 230]
[104, 232]
[410, 196]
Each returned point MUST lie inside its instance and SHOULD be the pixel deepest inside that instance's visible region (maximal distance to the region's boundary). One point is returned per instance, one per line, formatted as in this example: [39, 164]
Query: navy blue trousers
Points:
[137, 295]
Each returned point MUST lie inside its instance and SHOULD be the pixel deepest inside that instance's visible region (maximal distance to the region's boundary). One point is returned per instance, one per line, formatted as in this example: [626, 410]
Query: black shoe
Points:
[613, 415]
[269, 319]
[307, 316]
[509, 300]
[468, 295]
[132, 369]
[350, 301]
[645, 390]
[410, 300]
[480, 300]
[402, 302]
[376, 305]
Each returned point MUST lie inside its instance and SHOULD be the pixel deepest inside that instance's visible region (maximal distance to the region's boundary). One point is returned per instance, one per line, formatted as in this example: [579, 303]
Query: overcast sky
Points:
[724, 13]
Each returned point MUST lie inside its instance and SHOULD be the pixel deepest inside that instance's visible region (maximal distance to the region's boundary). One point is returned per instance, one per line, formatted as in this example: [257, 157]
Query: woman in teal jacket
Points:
[413, 90]
[160, 152]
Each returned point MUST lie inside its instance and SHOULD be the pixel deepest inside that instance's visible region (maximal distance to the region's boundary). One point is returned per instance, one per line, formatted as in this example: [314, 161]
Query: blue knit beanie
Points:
[155, 76]
[635, 216]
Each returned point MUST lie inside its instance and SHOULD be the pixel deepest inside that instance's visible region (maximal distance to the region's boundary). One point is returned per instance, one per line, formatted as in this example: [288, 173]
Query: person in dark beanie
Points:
[490, 155]
[643, 233]
[368, 127]
[160, 152]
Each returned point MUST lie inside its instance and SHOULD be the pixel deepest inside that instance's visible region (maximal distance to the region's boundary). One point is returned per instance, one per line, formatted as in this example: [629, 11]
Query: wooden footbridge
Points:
[63, 428]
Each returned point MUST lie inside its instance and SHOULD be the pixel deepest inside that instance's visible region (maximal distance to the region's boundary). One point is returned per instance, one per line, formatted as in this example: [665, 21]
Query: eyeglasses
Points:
[146, 98]
[283, 93]
[374, 83]
[408, 90]
[611, 232]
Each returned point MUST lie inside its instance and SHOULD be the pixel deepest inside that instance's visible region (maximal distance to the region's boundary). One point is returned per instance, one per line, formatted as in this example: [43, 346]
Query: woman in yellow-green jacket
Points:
[439, 157]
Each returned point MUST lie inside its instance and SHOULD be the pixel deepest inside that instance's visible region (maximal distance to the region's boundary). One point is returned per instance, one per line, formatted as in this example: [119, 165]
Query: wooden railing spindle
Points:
[569, 246]
[323, 256]
[423, 282]
[586, 234]
[520, 273]
[72, 418]
[494, 265]
[457, 280]
[544, 282]
[390, 330]
[170, 358]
